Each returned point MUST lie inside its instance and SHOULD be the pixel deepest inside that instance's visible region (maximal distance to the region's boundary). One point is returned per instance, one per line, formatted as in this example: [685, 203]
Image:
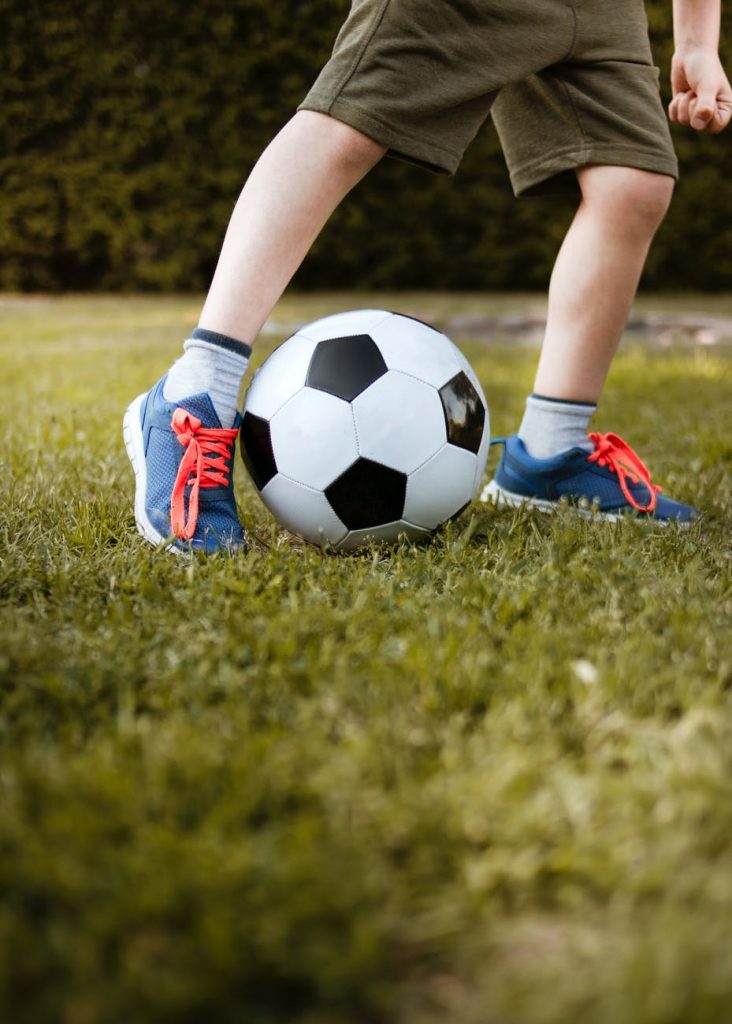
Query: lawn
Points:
[485, 781]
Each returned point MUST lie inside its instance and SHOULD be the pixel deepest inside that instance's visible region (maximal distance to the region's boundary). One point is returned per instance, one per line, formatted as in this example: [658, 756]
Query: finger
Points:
[673, 108]
[721, 118]
[682, 107]
[702, 109]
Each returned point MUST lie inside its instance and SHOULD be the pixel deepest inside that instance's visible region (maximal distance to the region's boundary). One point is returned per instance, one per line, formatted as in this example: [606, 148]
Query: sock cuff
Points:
[567, 402]
[222, 341]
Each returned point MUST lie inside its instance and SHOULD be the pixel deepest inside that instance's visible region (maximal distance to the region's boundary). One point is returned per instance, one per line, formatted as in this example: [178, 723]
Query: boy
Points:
[574, 95]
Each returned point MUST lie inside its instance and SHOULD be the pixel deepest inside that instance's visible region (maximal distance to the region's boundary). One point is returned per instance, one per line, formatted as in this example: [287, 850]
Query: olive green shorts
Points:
[568, 83]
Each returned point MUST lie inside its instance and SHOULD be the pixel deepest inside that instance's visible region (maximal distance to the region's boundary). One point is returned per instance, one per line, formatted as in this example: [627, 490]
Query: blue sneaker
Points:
[183, 463]
[610, 482]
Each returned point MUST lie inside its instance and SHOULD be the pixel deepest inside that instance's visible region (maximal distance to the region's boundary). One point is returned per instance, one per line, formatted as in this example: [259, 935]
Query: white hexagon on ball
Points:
[313, 438]
[280, 377]
[389, 532]
[399, 421]
[303, 511]
[343, 325]
[440, 488]
[416, 348]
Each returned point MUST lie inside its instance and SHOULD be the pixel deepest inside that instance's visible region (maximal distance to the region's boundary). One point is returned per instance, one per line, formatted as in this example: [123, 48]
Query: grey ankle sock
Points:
[213, 363]
[551, 426]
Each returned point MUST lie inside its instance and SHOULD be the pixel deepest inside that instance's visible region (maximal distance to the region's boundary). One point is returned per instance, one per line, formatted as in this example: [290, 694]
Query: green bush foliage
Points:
[126, 131]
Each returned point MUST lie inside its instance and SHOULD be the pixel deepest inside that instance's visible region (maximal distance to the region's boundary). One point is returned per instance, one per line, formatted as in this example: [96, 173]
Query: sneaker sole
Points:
[132, 434]
[494, 494]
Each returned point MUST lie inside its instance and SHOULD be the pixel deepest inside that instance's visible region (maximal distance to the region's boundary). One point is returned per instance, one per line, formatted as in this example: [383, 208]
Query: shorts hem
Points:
[400, 144]
[549, 176]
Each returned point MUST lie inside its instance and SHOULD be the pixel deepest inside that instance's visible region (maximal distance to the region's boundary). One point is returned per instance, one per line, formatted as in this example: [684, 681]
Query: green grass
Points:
[486, 781]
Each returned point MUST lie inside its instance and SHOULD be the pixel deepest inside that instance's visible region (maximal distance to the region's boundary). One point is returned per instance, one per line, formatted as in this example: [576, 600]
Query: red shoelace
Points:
[619, 457]
[206, 463]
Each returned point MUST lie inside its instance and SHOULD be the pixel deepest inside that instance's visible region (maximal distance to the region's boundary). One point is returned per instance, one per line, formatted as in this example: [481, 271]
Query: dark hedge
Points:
[126, 131]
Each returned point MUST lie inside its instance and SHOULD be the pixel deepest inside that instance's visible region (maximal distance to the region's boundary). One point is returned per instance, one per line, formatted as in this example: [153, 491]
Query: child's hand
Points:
[702, 96]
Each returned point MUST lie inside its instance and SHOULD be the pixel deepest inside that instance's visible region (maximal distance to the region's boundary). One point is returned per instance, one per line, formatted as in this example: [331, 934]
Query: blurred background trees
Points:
[126, 131]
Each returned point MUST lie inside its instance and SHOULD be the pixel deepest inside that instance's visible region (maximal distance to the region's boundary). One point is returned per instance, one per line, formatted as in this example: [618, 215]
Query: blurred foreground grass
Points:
[488, 780]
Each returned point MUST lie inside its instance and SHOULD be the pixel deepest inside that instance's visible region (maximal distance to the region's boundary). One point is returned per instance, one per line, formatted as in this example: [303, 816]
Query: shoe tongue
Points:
[203, 409]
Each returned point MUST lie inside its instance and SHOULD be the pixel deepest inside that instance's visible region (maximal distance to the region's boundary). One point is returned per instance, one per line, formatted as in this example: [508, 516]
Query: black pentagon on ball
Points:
[256, 449]
[464, 413]
[345, 367]
[368, 494]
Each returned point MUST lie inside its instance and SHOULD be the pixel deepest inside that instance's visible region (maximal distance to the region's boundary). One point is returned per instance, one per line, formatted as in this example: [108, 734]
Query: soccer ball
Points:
[365, 426]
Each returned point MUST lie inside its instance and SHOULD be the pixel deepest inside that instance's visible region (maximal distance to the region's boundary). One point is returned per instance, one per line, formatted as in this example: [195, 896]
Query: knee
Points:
[647, 196]
[636, 200]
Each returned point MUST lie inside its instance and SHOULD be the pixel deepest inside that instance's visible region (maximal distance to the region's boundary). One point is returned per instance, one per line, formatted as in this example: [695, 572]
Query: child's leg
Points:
[596, 275]
[297, 183]
[592, 288]
[295, 186]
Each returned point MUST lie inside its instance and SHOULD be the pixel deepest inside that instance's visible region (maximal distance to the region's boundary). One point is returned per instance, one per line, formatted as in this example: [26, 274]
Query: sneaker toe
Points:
[668, 509]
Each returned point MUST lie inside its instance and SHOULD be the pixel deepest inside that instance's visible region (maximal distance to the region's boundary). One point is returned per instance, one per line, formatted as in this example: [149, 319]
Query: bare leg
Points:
[595, 277]
[295, 186]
